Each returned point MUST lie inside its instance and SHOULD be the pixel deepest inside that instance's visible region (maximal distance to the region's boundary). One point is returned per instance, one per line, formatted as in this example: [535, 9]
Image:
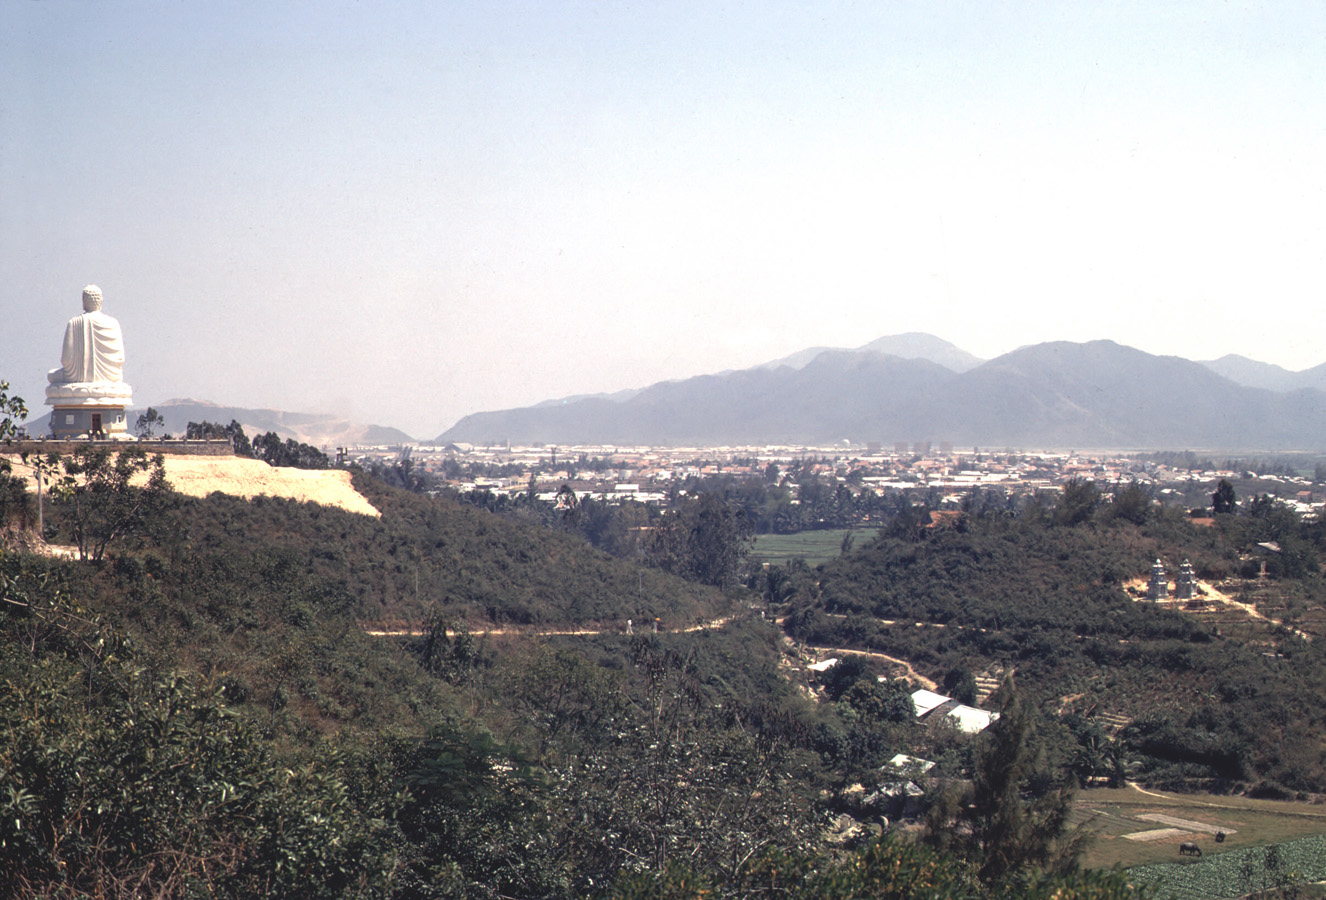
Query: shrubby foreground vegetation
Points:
[329, 766]
[198, 712]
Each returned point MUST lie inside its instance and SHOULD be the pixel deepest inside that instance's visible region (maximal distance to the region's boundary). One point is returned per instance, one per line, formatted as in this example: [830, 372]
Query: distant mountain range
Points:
[316, 429]
[1250, 373]
[916, 387]
[912, 345]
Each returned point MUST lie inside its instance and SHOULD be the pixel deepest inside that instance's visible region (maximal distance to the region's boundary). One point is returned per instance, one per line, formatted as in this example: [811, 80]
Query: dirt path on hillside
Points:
[911, 673]
[1141, 790]
[643, 628]
[1188, 800]
[872, 654]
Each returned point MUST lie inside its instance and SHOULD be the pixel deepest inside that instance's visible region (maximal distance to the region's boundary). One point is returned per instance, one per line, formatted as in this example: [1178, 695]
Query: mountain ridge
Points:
[1098, 394]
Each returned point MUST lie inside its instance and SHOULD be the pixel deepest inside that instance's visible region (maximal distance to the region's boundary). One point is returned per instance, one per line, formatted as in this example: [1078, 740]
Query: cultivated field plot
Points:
[1237, 872]
[1136, 827]
[814, 547]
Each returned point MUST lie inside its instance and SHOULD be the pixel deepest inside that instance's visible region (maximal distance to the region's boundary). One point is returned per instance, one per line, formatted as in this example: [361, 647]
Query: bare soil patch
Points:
[249, 478]
[198, 476]
[1156, 834]
[1189, 824]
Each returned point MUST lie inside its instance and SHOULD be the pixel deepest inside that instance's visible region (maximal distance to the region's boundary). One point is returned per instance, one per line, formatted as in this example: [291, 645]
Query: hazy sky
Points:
[406, 212]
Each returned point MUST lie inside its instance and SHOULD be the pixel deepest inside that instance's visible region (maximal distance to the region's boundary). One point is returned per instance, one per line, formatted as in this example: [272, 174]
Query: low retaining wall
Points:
[170, 448]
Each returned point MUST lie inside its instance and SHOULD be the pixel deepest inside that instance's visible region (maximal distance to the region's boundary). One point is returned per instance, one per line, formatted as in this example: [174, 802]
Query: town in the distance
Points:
[856, 477]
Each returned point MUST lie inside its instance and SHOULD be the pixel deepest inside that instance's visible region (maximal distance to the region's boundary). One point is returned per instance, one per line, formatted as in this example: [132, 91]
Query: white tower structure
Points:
[1158, 588]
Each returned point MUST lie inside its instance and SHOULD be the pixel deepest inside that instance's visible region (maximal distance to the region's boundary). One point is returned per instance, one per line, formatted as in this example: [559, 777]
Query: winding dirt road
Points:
[643, 628]
[911, 673]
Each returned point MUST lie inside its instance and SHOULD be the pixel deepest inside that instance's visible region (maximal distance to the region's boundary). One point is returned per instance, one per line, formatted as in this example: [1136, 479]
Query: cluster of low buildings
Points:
[652, 474]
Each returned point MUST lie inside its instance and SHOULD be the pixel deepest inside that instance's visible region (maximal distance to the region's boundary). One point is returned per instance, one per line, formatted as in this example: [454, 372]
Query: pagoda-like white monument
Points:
[87, 391]
[1158, 587]
[1185, 583]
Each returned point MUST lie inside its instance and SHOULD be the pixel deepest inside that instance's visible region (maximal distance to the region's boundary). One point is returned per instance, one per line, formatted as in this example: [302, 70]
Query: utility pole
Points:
[41, 508]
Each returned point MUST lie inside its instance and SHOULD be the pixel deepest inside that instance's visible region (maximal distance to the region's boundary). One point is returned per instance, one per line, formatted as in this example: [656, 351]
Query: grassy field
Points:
[814, 547]
[1111, 814]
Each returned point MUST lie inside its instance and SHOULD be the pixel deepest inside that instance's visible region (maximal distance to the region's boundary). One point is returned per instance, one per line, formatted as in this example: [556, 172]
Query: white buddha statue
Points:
[91, 373]
[93, 346]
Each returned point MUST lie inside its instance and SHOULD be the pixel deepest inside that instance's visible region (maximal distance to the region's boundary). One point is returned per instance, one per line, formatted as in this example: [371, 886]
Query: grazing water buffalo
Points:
[1188, 848]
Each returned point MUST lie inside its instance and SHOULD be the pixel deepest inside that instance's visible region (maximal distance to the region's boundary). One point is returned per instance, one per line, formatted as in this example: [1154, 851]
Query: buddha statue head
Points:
[91, 298]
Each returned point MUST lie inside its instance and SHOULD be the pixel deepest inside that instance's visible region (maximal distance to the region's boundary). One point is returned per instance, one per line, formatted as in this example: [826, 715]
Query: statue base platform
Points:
[81, 411]
[75, 422]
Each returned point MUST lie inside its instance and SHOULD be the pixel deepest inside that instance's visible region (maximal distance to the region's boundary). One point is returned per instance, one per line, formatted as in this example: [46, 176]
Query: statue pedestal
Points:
[91, 409]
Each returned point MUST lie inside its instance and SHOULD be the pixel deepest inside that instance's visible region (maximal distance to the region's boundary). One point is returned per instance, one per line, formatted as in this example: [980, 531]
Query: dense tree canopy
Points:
[213, 431]
[290, 453]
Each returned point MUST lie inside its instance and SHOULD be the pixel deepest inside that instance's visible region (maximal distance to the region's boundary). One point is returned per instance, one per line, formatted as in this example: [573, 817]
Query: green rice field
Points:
[814, 547]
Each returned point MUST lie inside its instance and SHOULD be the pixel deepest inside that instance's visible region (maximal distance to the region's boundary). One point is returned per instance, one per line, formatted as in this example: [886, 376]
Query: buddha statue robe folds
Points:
[93, 346]
[91, 368]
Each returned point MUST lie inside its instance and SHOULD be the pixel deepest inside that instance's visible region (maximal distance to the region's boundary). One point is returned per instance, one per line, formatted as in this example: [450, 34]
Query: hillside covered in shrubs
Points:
[202, 713]
[1199, 695]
